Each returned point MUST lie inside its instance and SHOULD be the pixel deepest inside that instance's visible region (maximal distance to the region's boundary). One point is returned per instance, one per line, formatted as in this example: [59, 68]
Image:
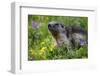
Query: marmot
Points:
[71, 36]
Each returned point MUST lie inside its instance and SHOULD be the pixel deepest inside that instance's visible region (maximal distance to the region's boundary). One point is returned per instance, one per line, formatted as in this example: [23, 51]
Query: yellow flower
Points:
[43, 49]
[52, 47]
[42, 43]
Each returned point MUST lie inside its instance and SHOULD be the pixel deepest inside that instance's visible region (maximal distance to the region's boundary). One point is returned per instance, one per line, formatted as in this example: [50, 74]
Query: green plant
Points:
[41, 44]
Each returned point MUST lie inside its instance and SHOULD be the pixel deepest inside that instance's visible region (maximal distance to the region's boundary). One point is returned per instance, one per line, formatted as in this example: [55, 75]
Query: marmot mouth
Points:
[55, 31]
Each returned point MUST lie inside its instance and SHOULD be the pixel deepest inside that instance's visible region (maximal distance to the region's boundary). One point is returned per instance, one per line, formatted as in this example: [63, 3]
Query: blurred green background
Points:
[41, 44]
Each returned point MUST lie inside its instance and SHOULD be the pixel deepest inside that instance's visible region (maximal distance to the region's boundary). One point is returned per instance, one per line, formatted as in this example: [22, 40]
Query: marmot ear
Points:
[62, 25]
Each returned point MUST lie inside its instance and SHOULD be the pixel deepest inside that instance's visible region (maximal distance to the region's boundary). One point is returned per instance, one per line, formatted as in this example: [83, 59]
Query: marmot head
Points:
[56, 27]
[59, 33]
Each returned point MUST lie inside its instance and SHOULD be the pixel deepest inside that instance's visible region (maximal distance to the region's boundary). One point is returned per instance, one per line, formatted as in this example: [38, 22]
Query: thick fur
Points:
[71, 36]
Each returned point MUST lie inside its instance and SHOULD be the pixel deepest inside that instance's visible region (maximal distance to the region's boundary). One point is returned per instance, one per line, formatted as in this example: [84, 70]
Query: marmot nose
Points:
[49, 25]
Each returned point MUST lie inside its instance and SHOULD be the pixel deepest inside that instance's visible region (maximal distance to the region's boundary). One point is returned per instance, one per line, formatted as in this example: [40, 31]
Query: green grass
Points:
[41, 44]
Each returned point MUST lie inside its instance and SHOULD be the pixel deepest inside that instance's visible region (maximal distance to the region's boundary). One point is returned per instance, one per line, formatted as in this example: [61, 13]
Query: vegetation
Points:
[41, 44]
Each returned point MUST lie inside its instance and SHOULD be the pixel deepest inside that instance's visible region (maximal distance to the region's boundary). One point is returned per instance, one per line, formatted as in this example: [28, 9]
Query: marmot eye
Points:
[62, 26]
